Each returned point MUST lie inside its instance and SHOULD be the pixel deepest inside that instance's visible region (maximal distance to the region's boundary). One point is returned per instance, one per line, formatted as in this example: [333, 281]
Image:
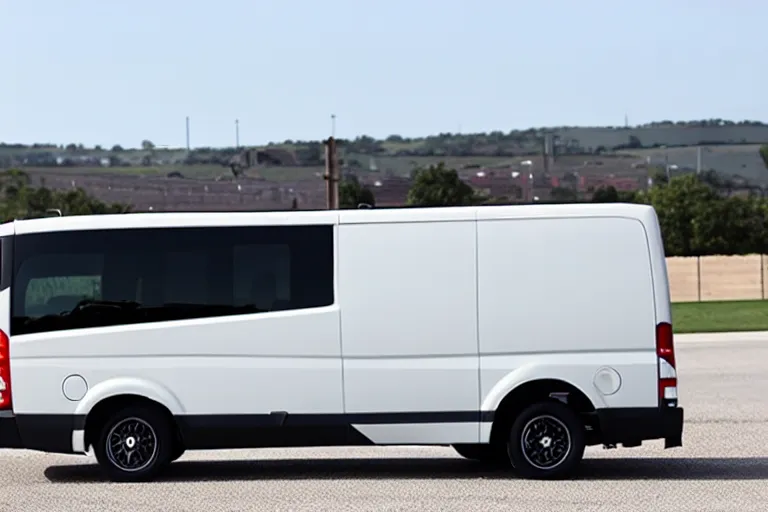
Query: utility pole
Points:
[698, 160]
[188, 148]
[237, 133]
[331, 174]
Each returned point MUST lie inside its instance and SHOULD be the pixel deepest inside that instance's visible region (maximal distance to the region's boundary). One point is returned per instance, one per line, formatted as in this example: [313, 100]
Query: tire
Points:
[485, 453]
[135, 444]
[546, 442]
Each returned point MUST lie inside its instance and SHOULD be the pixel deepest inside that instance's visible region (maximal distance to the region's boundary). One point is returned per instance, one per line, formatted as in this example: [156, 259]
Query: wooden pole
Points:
[698, 275]
[331, 175]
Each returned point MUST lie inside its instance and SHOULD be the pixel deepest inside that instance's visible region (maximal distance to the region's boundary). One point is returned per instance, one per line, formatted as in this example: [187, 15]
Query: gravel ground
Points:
[724, 459]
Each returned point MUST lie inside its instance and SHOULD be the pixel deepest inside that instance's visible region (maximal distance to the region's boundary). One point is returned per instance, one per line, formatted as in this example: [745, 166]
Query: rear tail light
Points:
[5, 372]
[665, 353]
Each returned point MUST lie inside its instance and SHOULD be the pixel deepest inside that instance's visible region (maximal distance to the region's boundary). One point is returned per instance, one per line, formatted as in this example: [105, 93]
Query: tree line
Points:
[698, 220]
[367, 144]
[497, 143]
[696, 217]
[19, 199]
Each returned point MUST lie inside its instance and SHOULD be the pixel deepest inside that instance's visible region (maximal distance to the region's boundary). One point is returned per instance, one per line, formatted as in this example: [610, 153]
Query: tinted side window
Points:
[81, 279]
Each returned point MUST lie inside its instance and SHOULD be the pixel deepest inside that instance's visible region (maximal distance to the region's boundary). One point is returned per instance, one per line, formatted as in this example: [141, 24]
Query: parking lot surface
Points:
[723, 466]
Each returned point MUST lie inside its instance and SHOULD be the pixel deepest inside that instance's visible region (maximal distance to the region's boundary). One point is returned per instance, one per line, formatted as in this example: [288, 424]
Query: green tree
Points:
[764, 154]
[18, 199]
[79, 202]
[14, 191]
[609, 194]
[563, 195]
[437, 185]
[352, 193]
[682, 205]
[732, 225]
[499, 200]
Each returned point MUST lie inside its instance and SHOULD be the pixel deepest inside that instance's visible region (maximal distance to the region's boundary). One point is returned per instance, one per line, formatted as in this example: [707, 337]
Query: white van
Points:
[515, 334]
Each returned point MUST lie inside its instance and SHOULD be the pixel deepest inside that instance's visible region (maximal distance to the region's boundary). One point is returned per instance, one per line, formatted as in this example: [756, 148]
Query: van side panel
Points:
[409, 330]
[226, 366]
[228, 379]
[561, 298]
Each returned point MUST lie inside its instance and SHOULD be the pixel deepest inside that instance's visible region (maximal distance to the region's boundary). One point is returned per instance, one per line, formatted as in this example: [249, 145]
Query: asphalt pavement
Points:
[723, 386]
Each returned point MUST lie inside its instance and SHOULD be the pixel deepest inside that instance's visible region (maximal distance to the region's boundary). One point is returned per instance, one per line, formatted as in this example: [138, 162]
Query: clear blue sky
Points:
[119, 71]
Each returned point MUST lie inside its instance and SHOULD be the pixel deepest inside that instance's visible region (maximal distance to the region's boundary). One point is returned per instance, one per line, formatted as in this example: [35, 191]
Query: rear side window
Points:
[58, 282]
[82, 279]
[42, 293]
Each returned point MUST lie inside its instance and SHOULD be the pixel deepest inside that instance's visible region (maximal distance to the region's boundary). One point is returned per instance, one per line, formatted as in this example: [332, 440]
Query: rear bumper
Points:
[631, 427]
[43, 432]
[9, 431]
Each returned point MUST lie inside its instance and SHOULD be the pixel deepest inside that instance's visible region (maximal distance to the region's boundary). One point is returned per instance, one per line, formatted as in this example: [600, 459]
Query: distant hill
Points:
[737, 161]
[728, 147]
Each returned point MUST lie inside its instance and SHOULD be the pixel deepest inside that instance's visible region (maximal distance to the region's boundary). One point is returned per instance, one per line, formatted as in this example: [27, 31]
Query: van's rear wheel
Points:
[135, 444]
[485, 453]
[546, 441]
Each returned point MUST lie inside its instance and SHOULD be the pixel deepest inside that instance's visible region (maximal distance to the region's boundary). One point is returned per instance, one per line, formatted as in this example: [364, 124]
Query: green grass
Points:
[727, 316]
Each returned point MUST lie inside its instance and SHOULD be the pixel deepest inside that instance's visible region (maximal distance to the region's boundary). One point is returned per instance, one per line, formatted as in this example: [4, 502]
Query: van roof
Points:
[362, 216]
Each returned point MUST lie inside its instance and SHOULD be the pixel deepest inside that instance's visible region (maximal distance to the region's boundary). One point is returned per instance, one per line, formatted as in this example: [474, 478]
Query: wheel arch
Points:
[138, 387]
[111, 396]
[534, 391]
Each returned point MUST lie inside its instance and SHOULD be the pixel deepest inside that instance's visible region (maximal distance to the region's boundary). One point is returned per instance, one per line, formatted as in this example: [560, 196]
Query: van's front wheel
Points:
[546, 441]
[135, 444]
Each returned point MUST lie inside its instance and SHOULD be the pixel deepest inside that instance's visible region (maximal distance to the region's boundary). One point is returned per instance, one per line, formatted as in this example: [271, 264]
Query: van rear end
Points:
[672, 413]
[631, 427]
